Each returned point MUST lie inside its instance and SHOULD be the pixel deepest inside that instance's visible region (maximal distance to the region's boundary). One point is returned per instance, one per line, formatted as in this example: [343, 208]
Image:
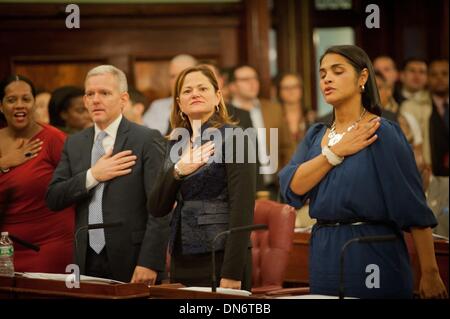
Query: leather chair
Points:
[270, 252]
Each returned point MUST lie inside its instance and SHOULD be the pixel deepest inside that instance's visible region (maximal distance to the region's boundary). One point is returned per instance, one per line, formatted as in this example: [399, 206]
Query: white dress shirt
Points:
[257, 119]
[158, 115]
[108, 143]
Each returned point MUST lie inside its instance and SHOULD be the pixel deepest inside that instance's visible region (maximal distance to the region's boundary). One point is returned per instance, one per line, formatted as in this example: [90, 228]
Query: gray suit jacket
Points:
[141, 239]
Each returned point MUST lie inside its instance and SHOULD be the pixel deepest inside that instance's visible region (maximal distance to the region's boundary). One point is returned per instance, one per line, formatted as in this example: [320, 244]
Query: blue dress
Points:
[379, 183]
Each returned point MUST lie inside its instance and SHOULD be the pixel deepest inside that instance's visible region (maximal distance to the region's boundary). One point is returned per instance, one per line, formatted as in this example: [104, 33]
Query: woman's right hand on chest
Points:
[357, 139]
[194, 158]
[21, 153]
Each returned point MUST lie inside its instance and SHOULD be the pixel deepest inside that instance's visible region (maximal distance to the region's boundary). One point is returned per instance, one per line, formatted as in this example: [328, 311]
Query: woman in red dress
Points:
[29, 153]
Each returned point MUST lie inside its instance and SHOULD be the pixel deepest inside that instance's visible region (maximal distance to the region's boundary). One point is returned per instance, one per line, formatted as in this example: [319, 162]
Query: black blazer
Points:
[245, 121]
[142, 239]
[215, 198]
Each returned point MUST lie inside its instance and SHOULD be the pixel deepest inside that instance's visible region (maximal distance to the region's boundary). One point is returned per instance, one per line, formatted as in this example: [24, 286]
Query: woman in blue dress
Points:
[361, 179]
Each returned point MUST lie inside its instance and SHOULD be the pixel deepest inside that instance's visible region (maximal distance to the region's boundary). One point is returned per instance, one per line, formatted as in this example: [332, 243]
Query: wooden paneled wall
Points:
[139, 39]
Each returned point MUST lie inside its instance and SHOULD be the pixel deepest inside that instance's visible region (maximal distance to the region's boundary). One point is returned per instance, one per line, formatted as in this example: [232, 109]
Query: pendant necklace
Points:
[334, 138]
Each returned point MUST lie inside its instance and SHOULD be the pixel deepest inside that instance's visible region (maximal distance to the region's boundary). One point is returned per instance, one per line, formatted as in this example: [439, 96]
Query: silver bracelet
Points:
[332, 158]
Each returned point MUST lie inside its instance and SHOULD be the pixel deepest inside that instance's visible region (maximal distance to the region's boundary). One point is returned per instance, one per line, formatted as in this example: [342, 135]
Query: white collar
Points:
[419, 95]
[112, 128]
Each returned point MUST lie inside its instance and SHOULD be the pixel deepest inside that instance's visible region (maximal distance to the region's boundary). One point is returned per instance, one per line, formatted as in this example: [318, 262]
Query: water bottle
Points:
[6, 256]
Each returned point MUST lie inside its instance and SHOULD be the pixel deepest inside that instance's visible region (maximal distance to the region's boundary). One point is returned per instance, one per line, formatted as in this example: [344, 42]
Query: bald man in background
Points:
[158, 115]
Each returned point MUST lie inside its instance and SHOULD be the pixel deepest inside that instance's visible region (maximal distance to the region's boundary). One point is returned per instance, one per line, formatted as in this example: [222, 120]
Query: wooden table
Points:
[22, 287]
[30, 288]
[297, 274]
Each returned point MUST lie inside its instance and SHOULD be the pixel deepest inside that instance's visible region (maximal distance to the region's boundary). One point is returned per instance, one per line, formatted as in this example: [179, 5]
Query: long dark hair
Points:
[359, 59]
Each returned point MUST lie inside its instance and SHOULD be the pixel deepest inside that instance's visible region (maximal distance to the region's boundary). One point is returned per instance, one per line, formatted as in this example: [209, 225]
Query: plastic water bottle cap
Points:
[5, 233]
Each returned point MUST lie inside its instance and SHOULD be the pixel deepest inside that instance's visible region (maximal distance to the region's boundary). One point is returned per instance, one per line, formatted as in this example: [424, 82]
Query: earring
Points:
[363, 89]
[217, 108]
[181, 115]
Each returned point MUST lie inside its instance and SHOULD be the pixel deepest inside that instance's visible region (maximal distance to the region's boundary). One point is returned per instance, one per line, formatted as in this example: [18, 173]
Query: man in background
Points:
[158, 115]
[251, 111]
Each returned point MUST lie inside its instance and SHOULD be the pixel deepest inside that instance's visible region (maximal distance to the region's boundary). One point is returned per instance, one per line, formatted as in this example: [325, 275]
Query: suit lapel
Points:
[86, 147]
[121, 138]
[122, 135]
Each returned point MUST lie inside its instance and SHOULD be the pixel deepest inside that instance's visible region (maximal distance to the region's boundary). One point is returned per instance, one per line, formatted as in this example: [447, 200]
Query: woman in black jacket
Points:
[212, 185]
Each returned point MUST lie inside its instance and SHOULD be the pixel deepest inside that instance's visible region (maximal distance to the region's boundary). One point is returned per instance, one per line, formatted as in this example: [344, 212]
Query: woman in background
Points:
[290, 94]
[67, 110]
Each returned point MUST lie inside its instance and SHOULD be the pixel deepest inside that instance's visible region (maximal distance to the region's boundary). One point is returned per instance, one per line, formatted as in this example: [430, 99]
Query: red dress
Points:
[27, 216]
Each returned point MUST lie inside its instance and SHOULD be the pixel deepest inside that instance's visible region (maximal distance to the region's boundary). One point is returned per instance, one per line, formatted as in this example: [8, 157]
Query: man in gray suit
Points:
[107, 171]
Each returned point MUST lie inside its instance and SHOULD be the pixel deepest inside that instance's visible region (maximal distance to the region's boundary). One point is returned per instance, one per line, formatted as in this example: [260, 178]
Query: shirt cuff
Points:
[91, 182]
